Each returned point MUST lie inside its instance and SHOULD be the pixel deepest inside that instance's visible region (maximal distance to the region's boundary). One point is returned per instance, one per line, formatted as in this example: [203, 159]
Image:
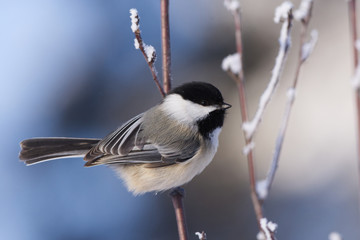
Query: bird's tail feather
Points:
[36, 150]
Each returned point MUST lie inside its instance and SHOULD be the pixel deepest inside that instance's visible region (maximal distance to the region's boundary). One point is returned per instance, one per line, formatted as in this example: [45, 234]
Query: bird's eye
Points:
[204, 103]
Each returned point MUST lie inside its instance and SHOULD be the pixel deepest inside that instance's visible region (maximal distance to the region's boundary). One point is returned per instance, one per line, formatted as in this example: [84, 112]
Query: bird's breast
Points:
[140, 179]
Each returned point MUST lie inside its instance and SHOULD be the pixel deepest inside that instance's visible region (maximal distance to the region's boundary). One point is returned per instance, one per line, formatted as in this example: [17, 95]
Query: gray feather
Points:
[35, 150]
[146, 138]
[175, 142]
[112, 143]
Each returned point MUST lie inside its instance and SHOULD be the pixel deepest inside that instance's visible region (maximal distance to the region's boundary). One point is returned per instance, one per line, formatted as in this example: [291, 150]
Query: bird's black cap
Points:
[200, 92]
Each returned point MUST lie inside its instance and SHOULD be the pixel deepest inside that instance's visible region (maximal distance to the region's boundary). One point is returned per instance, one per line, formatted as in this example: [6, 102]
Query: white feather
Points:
[185, 111]
[55, 158]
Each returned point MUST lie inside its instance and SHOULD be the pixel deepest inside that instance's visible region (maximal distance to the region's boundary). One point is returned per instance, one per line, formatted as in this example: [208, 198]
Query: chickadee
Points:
[162, 148]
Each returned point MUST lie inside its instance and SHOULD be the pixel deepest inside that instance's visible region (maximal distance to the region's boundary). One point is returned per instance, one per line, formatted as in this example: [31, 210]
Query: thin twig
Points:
[177, 196]
[284, 40]
[239, 80]
[353, 30]
[149, 56]
[165, 40]
[229, 64]
[150, 64]
[304, 51]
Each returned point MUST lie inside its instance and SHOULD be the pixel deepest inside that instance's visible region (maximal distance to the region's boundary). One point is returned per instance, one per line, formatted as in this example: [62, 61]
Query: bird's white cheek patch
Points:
[183, 110]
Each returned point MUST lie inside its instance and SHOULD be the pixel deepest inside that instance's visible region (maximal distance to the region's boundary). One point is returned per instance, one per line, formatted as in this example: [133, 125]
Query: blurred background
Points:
[69, 68]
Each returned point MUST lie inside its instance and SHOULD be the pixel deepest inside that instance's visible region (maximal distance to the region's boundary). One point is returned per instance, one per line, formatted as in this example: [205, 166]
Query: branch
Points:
[177, 196]
[356, 78]
[233, 66]
[303, 14]
[353, 30]
[149, 53]
[283, 12]
[165, 40]
[147, 50]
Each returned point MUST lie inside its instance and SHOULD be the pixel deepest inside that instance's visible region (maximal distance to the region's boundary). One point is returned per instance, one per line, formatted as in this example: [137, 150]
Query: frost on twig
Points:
[268, 228]
[283, 12]
[262, 188]
[335, 236]
[303, 12]
[232, 63]
[290, 94]
[308, 47]
[134, 19]
[248, 148]
[232, 5]
[260, 236]
[201, 235]
[303, 15]
[150, 52]
[147, 50]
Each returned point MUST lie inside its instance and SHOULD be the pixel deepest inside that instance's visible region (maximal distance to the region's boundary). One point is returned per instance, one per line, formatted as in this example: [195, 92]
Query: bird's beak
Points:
[225, 106]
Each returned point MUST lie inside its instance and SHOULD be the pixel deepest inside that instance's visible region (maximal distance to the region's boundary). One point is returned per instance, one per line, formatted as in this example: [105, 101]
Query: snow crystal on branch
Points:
[303, 11]
[335, 236]
[249, 127]
[136, 44]
[282, 11]
[150, 52]
[262, 188]
[134, 19]
[272, 226]
[248, 147]
[232, 5]
[308, 47]
[232, 63]
[284, 41]
[201, 235]
[267, 227]
[291, 92]
[260, 236]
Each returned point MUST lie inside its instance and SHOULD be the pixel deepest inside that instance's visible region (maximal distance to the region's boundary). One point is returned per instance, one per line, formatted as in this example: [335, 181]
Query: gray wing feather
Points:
[135, 157]
[122, 141]
[186, 152]
[130, 144]
[112, 143]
